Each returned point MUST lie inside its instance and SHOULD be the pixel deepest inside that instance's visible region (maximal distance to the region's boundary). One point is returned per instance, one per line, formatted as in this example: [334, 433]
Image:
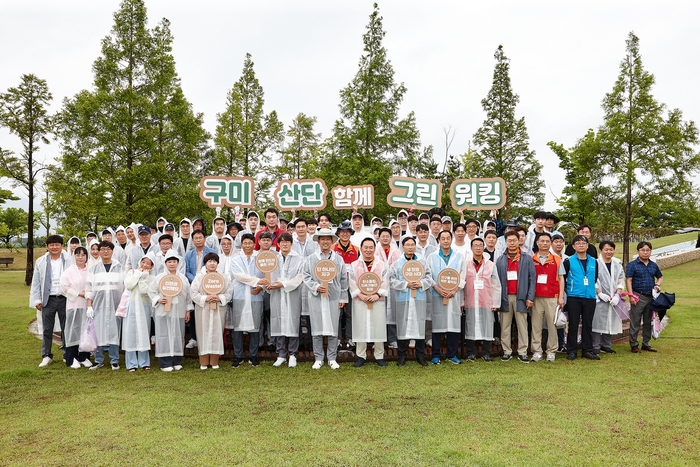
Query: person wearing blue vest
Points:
[580, 273]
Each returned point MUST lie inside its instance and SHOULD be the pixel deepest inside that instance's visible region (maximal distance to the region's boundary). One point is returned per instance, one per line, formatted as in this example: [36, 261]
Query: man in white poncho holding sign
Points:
[611, 282]
[369, 287]
[327, 282]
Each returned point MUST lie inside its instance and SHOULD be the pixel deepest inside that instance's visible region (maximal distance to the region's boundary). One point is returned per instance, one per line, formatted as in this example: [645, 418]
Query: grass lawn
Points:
[627, 409]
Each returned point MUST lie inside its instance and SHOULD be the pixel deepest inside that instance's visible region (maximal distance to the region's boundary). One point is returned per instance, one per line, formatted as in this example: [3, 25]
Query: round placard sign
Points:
[369, 283]
[170, 285]
[266, 261]
[413, 271]
[448, 279]
[325, 271]
[213, 283]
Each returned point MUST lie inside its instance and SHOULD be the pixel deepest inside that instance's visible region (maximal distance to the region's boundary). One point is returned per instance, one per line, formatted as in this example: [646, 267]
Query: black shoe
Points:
[236, 363]
[590, 356]
[360, 361]
[471, 358]
[421, 361]
[523, 358]
[402, 360]
[254, 361]
[487, 358]
[381, 362]
[506, 357]
[571, 356]
[607, 350]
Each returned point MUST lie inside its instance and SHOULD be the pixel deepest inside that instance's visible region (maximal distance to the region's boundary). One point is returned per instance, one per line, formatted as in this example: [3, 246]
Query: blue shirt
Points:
[643, 275]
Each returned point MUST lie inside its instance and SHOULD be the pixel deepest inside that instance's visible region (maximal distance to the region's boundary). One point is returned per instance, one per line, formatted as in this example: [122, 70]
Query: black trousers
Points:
[485, 347]
[580, 310]
[452, 344]
[420, 347]
[72, 353]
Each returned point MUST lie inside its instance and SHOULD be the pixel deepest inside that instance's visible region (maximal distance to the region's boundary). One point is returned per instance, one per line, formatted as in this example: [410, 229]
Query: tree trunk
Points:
[29, 271]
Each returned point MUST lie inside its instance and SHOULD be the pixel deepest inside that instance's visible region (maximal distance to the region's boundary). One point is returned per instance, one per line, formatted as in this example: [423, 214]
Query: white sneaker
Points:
[153, 340]
[76, 364]
[412, 344]
[292, 361]
[45, 362]
[86, 363]
[393, 345]
[215, 367]
[536, 357]
[279, 361]
[167, 369]
[333, 364]
[203, 367]
[317, 365]
[177, 367]
[551, 357]
[191, 344]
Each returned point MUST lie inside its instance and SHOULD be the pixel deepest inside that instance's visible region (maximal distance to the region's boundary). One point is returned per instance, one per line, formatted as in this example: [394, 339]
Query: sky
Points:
[564, 56]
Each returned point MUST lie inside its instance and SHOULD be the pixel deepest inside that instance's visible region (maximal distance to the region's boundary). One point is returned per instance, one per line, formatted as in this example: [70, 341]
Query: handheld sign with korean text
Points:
[413, 271]
[213, 283]
[369, 283]
[266, 261]
[448, 279]
[325, 271]
[170, 285]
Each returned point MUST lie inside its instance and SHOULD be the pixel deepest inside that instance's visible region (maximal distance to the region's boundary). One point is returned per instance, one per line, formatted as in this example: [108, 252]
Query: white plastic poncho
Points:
[389, 259]
[247, 308]
[606, 320]
[410, 311]
[447, 318]
[285, 303]
[136, 325]
[369, 325]
[105, 289]
[480, 300]
[210, 322]
[73, 282]
[307, 249]
[170, 326]
[323, 310]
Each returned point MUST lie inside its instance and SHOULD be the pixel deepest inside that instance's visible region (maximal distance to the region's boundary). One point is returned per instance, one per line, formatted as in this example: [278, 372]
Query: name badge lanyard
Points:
[584, 265]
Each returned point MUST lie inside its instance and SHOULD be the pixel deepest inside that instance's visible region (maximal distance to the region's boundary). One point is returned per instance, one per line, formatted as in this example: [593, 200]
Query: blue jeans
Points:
[113, 354]
[140, 359]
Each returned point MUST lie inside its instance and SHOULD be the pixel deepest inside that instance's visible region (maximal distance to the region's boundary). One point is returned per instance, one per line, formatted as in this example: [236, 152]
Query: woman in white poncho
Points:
[611, 282]
[210, 321]
[170, 325]
[136, 325]
[73, 288]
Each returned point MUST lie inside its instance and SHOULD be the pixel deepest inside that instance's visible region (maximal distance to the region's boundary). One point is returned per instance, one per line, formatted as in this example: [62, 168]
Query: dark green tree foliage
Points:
[131, 146]
[246, 138]
[13, 223]
[300, 158]
[369, 142]
[502, 148]
[23, 110]
[645, 155]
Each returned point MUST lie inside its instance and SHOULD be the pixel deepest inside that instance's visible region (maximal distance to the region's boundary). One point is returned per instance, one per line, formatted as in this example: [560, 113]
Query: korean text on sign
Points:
[345, 197]
[414, 192]
[478, 193]
[301, 194]
[227, 191]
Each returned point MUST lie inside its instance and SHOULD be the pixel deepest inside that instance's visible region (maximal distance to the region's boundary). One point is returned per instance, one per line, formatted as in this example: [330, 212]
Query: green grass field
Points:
[627, 409]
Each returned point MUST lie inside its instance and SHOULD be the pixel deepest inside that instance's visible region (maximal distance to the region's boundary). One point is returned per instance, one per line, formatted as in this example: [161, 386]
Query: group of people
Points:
[303, 283]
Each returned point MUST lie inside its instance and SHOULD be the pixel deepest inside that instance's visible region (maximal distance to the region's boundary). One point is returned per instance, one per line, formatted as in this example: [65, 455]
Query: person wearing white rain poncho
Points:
[285, 301]
[247, 301]
[369, 325]
[410, 311]
[103, 290]
[170, 325]
[446, 317]
[482, 297]
[325, 301]
[210, 321]
[94, 251]
[73, 288]
[136, 325]
[611, 282]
